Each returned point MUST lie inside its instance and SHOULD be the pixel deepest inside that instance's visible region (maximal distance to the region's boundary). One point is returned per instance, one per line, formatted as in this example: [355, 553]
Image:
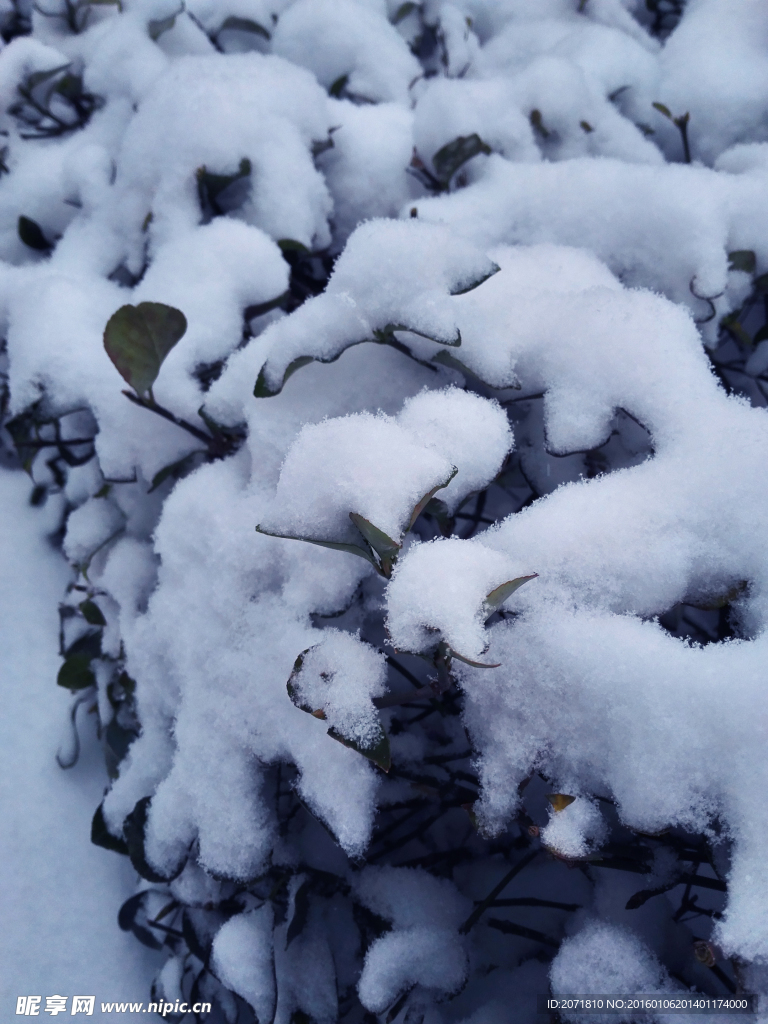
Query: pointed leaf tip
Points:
[497, 597]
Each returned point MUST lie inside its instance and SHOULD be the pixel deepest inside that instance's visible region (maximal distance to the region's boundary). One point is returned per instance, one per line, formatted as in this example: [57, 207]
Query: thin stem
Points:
[148, 403]
[479, 910]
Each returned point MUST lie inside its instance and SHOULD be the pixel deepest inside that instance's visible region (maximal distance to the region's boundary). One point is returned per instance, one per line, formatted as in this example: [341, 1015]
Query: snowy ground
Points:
[59, 895]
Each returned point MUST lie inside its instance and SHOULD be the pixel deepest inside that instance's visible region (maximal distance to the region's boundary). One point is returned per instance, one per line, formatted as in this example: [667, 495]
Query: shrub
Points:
[418, 572]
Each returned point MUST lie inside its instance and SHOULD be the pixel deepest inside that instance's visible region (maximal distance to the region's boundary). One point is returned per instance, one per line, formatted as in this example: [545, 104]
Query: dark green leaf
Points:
[38, 77]
[138, 338]
[742, 259]
[235, 24]
[403, 11]
[338, 87]
[662, 109]
[160, 25]
[537, 123]
[219, 194]
[133, 830]
[291, 245]
[101, 836]
[453, 155]
[175, 470]
[263, 390]
[352, 549]
[293, 691]
[92, 613]
[422, 504]
[32, 235]
[260, 308]
[586, 127]
[449, 360]
[70, 86]
[497, 597]
[385, 547]
[378, 751]
[89, 644]
[300, 912]
[75, 673]
[476, 283]
[760, 284]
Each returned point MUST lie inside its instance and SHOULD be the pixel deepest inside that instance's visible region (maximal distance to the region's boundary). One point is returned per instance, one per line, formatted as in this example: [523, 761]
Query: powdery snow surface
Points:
[452, 275]
[60, 894]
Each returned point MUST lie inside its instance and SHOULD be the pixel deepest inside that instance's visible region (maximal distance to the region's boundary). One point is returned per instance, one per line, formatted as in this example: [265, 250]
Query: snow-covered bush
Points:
[394, 377]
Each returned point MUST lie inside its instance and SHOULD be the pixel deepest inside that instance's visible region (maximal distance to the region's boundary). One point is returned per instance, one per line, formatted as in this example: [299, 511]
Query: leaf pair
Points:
[138, 338]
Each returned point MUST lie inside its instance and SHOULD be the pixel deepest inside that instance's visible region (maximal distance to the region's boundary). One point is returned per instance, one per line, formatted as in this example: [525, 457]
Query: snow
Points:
[578, 273]
[61, 894]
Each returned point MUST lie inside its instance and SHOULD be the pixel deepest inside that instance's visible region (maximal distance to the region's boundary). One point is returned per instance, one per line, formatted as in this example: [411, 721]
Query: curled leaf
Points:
[453, 155]
[497, 597]
[386, 548]
[423, 502]
[352, 549]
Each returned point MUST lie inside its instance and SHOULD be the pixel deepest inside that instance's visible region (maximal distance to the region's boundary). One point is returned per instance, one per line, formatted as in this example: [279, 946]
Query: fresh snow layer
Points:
[61, 894]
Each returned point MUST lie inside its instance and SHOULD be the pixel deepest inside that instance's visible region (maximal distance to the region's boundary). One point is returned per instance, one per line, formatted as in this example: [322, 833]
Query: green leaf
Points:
[378, 751]
[133, 830]
[101, 836]
[92, 613]
[385, 547]
[38, 77]
[352, 549]
[422, 504]
[469, 661]
[537, 123]
[586, 127]
[292, 689]
[742, 259]
[403, 11]
[450, 360]
[160, 25]
[75, 674]
[453, 155]
[138, 338]
[439, 512]
[663, 109]
[381, 336]
[117, 742]
[212, 189]
[175, 469]
[32, 235]
[338, 87]
[497, 597]
[291, 245]
[480, 280]
[263, 390]
[760, 284]
[235, 24]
